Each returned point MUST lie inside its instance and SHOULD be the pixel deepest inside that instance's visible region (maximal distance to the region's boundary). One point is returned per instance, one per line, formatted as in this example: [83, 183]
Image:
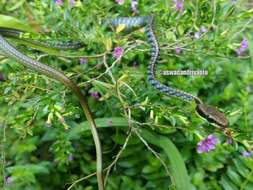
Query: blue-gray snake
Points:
[210, 113]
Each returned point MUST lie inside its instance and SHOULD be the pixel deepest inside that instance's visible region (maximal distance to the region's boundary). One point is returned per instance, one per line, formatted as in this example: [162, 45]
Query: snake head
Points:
[212, 115]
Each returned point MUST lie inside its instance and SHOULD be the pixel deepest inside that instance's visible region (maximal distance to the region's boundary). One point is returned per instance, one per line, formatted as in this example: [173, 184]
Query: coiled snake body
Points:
[210, 113]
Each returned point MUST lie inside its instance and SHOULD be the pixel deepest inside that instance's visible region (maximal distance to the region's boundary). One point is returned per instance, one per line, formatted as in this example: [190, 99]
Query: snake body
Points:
[128, 22]
[13, 53]
[27, 37]
[147, 22]
[210, 113]
[152, 69]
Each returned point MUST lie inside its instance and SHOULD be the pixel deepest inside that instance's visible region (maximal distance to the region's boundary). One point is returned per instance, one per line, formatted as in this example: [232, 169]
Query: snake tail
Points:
[50, 72]
[27, 37]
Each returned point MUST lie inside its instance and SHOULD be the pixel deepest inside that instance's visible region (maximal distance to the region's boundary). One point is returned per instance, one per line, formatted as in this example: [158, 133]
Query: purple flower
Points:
[244, 44]
[246, 154]
[95, 95]
[71, 3]
[9, 180]
[178, 49]
[207, 144]
[229, 141]
[118, 52]
[120, 2]
[197, 35]
[58, 2]
[203, 29]
[70, 157]
[179, 5]
[82, 60]
[243, 47]
[239, 52]
[134, 4]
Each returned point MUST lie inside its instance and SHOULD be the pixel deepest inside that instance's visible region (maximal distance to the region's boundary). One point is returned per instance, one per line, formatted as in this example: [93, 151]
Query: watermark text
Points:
[185, 72]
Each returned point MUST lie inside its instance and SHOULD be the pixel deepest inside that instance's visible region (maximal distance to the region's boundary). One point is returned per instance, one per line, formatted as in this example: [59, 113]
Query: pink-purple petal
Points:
[243, 47]
[246, 154]
[134, 4]
[95, 95]
[207, 144]
[58, 2]
[179, 5]
[120, 2]
[118, 52]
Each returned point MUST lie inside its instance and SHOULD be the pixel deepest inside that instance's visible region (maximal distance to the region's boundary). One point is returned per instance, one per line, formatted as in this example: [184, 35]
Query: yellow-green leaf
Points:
[13, 23]
[108, 44]
[120, 28]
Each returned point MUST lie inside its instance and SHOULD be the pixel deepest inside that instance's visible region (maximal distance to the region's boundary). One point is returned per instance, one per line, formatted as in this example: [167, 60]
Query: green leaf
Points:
[227, 184]
[234, 176]
[100, 122]
[32, 168]
[178, 169]
[13, 23]
[17, 5]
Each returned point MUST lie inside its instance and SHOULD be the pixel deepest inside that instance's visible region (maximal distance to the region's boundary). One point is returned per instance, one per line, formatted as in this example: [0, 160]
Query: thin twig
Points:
[107, 168]
[154, 152]
[109, 68]
[118, 155]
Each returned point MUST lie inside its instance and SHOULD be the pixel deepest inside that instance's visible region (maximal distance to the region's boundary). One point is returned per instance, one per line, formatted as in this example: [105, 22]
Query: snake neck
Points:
[153, 66]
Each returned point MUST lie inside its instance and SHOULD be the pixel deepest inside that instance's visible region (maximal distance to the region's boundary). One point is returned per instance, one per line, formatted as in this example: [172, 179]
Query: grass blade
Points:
[13, 23]
[179, 173]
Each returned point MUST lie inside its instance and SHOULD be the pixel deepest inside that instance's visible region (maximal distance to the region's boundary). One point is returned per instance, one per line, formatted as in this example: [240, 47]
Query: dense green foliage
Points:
[45, 139]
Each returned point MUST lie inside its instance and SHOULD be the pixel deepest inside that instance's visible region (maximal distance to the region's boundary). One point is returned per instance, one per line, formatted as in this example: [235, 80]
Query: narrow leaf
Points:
[120, 28]
[178, 170]
[13, 23]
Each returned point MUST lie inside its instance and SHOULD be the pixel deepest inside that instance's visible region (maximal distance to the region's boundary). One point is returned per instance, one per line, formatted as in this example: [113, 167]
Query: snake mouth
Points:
[212, 115]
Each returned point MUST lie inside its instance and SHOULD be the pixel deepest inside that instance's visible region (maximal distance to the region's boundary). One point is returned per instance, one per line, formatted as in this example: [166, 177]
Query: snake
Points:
[10, 51]
[210, 113]
[37, 40]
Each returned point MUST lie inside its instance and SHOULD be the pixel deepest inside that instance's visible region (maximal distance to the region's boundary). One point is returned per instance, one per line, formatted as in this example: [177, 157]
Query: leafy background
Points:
[146, 136]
